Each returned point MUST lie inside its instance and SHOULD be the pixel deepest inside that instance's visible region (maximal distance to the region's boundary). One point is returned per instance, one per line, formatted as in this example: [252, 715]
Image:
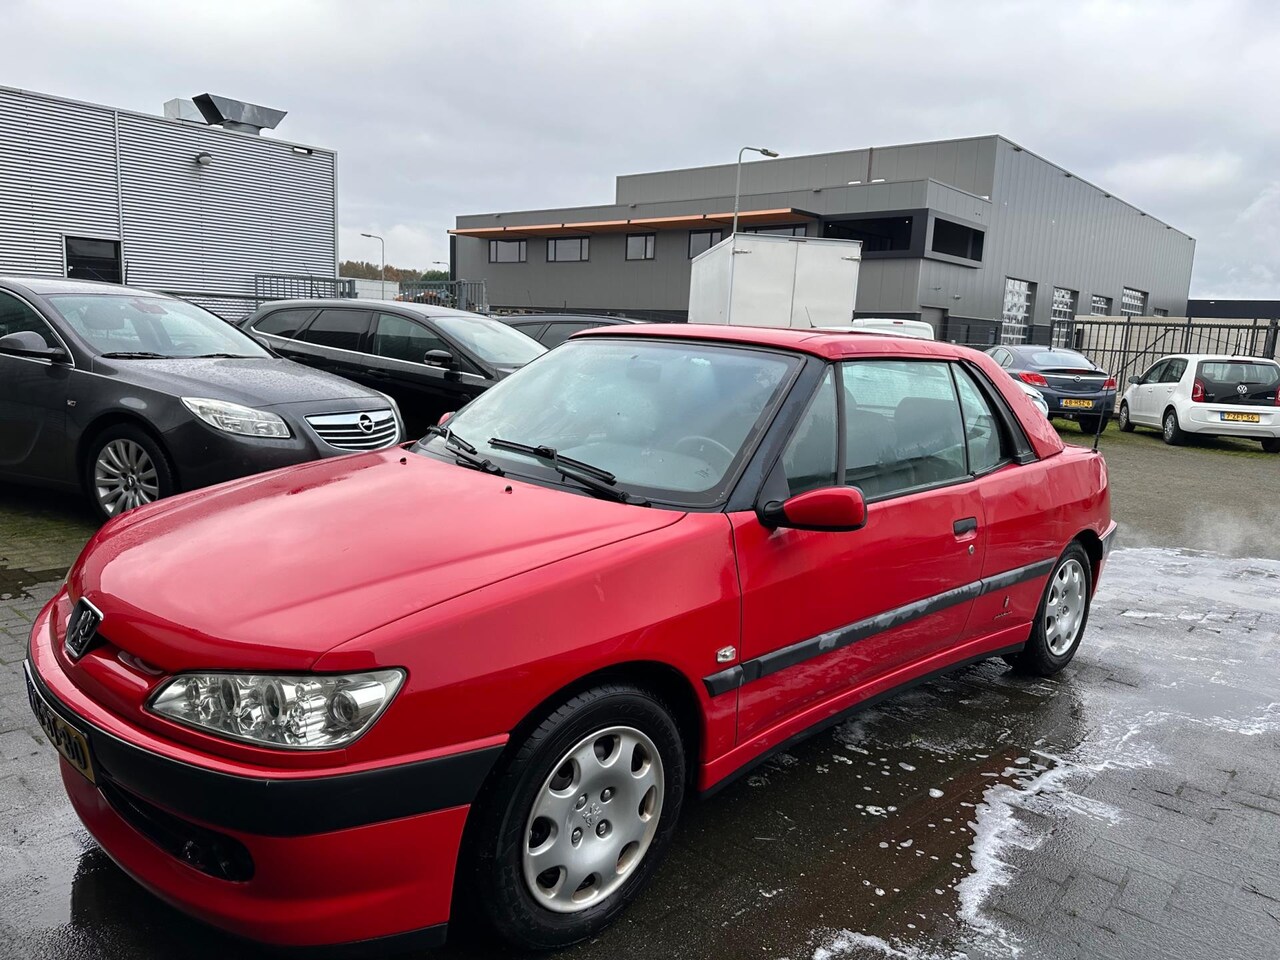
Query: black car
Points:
[1072, 385]
[431, 359]
[132, 396]
[553, 329]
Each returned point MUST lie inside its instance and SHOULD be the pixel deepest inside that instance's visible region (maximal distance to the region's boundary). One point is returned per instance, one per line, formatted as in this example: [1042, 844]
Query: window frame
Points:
[371, 339]
[700, 233]
[66, 256]
[49, 325]
[362, 343]
[522, 247]
[306, 322]
[651, 246]
[584, 248]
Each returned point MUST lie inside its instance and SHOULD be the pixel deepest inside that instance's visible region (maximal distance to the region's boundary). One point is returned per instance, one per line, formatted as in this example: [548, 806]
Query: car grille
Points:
[361, 430]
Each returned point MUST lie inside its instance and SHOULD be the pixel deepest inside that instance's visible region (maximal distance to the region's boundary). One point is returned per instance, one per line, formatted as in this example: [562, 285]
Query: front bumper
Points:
[349, 859]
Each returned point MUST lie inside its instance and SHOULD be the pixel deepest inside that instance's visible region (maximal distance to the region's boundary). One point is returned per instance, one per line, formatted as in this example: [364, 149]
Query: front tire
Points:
[1173, 434]
[1125, 424]
[575, 823]
[1061, 616]
[126, 468]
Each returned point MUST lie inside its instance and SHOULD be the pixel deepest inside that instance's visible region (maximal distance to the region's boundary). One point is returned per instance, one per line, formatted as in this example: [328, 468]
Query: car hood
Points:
[270, 572]
[255, 381]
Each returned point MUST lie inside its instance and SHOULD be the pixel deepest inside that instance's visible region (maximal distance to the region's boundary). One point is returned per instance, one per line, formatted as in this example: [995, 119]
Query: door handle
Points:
[967, 525]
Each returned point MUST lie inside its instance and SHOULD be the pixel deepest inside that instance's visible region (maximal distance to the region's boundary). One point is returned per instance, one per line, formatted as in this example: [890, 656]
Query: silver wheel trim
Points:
[124, 477]
[593, 819]
[1124, 414]
[1169, 423]
[1064, 608]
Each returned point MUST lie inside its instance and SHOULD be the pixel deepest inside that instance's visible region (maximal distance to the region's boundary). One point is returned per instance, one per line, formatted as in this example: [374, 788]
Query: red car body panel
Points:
[495, 606]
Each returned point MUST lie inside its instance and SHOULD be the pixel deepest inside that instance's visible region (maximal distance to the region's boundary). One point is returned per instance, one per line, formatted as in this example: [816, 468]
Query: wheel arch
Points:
[114, 418]
[1092, 544]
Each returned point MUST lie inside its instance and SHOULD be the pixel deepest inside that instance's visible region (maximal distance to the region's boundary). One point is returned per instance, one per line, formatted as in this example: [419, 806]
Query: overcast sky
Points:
[438, 109]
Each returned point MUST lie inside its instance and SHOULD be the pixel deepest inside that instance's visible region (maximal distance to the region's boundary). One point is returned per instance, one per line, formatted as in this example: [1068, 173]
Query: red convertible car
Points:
[326, 704]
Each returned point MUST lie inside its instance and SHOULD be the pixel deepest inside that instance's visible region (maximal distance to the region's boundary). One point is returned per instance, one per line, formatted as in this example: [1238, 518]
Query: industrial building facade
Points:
[97, 193]
[980, 237]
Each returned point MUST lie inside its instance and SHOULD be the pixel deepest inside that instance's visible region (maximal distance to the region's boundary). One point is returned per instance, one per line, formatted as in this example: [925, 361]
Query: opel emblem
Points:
[365, 423]
[1076, 379]
[1241, 389]
[82, 627]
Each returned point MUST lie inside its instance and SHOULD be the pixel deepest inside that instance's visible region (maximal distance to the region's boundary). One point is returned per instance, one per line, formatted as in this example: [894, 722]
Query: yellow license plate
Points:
[68, 741]
[1078, 404]
[1242, 417]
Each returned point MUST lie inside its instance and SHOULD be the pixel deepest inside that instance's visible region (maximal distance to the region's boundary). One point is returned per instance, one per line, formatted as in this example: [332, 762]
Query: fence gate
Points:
[1125, 347]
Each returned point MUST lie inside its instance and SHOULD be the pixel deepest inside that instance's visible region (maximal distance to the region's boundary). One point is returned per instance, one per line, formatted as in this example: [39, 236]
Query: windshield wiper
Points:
[462, 451]
[596, 479]
[219, 356]
[134, 355]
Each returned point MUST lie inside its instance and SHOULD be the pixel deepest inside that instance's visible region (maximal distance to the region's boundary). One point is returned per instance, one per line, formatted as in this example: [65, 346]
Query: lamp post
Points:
[383, 247]
[737, 190]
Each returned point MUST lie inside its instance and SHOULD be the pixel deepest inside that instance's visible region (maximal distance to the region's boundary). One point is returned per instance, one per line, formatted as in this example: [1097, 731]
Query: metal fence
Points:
[300, 286]
[458, 294]
[1125, 347]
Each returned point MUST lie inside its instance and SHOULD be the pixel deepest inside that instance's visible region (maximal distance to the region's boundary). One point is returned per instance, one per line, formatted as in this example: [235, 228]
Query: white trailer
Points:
[761, 280]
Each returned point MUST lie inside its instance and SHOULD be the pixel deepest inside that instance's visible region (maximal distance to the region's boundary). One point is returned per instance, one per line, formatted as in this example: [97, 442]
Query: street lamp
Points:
[737, 190]
[383, 246]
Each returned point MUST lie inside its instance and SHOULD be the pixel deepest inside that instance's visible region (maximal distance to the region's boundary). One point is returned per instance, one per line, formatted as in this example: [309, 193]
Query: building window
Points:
[1159, 312]
[956, 240]
[568, 250]
[507, 251]
[640, 246]
[89, 259]
[1133, 303]
[797, 230]
[878, 234]
[1019, 309]
[1064, 303]
[702, 240]
[1101, 306]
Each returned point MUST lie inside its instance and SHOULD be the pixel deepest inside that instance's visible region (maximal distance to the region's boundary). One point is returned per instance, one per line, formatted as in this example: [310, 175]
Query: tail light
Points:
[1278, 396]
[1197, 391]
[1110, 384]
[1034, 379]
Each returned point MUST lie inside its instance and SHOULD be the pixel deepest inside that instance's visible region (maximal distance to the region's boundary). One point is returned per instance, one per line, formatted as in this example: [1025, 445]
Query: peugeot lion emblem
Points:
[366, 423]
[1241, 389]
[82, 627]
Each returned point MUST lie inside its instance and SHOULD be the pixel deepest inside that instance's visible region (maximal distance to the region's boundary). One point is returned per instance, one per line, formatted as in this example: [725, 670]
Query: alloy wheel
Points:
[593, 820]
[1064, 609]
[124, 477]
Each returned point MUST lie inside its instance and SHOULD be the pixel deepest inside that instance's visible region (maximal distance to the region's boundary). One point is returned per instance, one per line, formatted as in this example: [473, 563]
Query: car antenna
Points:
[1102, 422]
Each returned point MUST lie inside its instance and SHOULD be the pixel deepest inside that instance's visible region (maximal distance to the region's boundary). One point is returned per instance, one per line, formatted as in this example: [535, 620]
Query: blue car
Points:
[1072, 385]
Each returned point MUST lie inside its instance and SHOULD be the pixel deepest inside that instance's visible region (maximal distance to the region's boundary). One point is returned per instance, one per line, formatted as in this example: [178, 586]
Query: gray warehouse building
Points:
[980, 237]
[195, 202]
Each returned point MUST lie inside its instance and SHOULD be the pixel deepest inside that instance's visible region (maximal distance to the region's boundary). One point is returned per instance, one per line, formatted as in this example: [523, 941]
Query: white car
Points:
[1210, 395]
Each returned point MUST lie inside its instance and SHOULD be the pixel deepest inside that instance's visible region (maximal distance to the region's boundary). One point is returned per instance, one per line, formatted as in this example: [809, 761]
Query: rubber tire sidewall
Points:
[125, 431]
[1177, 436]
[497, 883]
[1126, 421]
[1093, 425]
[1036, 658]
[1272, 445]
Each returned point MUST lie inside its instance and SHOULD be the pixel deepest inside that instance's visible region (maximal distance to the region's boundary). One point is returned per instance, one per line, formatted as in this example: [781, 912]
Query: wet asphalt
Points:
[1128, 808]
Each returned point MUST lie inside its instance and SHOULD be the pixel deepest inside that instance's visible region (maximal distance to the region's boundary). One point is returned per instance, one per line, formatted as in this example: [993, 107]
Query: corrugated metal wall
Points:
[260, 207]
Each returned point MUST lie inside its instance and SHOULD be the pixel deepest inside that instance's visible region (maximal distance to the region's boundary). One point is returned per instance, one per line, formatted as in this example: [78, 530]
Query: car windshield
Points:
[152, 327]
[670, 420]
[1062, 358]
[491, 340]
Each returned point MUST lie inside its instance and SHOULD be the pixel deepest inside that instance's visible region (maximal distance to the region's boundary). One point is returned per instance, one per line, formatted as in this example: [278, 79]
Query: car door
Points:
[1143, 401]
[33, 399]
[1164, 389]
[826, 612]
[397, 365]
[335, 342]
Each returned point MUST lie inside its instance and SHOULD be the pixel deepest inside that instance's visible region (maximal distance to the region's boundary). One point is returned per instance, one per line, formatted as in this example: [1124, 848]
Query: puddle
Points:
[15, 582]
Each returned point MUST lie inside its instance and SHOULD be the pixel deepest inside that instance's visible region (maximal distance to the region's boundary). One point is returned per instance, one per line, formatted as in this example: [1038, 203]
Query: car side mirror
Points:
[439, 358]
[828, 508]
[28, 343]
[1135, 380]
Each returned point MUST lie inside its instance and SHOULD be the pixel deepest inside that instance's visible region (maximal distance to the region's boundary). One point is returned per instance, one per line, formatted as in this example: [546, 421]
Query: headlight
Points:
[237, 419]
[304, 712]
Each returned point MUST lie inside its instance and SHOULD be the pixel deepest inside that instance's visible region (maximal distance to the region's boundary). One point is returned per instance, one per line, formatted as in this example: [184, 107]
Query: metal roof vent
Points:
[236, 114]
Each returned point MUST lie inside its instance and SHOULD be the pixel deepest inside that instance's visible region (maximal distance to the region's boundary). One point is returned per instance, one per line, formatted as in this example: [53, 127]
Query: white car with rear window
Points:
[1209, 395]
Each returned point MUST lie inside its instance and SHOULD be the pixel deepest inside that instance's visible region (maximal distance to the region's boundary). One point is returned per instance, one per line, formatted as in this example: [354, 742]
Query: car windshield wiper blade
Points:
[463, 451]
[596, 479]
[135, 355]
[219, 356]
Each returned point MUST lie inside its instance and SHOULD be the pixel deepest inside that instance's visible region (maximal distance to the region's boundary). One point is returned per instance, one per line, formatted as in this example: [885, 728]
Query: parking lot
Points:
[1128, 808]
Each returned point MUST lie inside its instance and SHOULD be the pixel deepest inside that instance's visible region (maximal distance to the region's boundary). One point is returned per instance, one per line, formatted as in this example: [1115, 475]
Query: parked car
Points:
[626, 573]
[431, 359]
[1209, 395]
[1072, 385]
[551, 330]
[1036, 396]
[132, 396]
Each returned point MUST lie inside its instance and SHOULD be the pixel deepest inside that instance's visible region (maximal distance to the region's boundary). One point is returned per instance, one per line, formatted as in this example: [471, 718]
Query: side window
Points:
[902, 426]
[810, 457]
[401, 339]
[558, 333]
[1173, 371]
[17, 317]
[1002, 357]
[283, 323]
[1153, 374]
[981, 426]
[337, 328]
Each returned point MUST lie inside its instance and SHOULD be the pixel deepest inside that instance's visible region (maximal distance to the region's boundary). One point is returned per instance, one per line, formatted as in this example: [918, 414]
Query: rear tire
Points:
[1061, 617]
[1125, 424]
[1173, 434]
[1090, 425]
[1271, 445]
[529, 825]
[125, 467]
